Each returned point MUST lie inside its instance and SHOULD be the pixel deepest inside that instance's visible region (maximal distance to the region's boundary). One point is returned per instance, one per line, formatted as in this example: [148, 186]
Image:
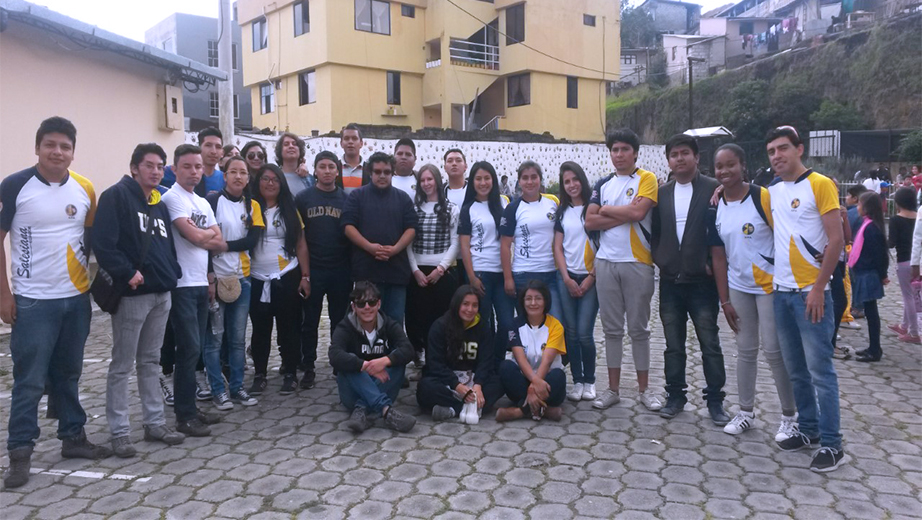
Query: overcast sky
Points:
[130, 18]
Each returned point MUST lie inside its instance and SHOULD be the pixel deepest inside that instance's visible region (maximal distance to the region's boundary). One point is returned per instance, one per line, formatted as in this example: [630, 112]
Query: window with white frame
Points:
[307, 87]
[260, 34]
[266, 98]
[214, 104]
[373, 16]
[302, 17]
[628, 59]
[212, 53]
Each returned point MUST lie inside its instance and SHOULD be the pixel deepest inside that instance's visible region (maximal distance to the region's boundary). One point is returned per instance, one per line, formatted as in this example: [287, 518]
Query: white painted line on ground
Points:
[87, 474]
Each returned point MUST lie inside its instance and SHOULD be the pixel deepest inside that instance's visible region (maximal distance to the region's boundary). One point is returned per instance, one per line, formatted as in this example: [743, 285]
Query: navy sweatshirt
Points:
[476, 356]
[875, 256]
[381, 216]
[321, 212]
[121, 222]
[350, 349]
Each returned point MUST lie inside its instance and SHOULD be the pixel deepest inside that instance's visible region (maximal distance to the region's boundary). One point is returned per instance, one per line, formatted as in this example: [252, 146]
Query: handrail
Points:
[493, 123]
[463, 52]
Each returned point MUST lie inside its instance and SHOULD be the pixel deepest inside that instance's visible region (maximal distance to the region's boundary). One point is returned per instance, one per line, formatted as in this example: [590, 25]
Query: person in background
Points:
[901, 229]
[255, 155]
[211, 141]
[505, 189]
[369, 353]
[230, 150]
[404, 178]
[870, 260]
[290, 156]
[280, 274]
[353, 176]
[575, 259]
[854, 222]
[455, 168]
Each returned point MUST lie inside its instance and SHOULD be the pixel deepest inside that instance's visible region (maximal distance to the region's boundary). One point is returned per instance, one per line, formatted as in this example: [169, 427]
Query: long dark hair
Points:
[585, 191]
[247, 198]
[454, 325]
[286, 206]
[441, 205]
[873, 209]
[494, 202]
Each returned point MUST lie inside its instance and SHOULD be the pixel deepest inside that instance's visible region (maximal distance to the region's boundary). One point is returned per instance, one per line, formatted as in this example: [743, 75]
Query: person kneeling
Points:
[369, 353]
[459, 379]
[534, 380]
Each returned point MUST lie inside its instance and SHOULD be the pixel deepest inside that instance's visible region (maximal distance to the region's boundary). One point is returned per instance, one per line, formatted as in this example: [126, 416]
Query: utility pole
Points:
[225, 63]
[691, 111]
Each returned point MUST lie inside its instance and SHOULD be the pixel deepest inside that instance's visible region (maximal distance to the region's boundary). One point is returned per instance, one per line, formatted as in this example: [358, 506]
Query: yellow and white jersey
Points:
[744, 227]
[576, 247]
[269, 255]
[232, 216]
[797, 210]
[535, 339]
[626, 243]
[46, 222]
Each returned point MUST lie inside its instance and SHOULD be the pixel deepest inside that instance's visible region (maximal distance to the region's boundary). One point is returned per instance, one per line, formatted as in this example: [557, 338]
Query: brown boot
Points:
[508, 414]
[20, 463]
[553, 413]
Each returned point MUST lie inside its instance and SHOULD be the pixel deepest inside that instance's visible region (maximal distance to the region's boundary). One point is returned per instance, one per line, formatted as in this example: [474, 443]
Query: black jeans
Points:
[678, 302]
[839, 298]
[336, 284]
[431, 391]
[516, 386]
[427, 304]
[285, 307]
[872, 316]
[189, 316]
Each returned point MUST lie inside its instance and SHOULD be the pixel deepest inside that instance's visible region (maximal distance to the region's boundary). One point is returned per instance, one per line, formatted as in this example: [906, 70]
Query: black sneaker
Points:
[798, 441]
[359, 420]
[307, 380]
[399, 421]
[259, 384]
[827, 459]
[193, 428]
[442, 413]
[718, 415]
[79, 447]
[208, 418]
[289, 384]
[674, 406]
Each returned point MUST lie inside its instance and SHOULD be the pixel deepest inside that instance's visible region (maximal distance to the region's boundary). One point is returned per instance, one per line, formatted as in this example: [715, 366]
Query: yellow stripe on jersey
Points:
[257, 216]
[91, 193]
[763, 279]
[766, 200]
[648, 187]
[245, 263]
[77, 271]
[588, 256]
[825, 193]
[640, 251]
[555, 334]
[551, 197]
[283, 262]
[804, 271]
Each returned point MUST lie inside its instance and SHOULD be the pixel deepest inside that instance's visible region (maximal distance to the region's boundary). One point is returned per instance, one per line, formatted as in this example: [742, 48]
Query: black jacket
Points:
[874, 253]
[349, 347]
[118, 238]
[476, 356]
[687, 264]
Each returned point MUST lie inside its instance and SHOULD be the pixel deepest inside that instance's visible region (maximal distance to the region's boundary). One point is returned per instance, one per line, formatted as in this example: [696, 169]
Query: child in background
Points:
[901, 228]
[870, 260]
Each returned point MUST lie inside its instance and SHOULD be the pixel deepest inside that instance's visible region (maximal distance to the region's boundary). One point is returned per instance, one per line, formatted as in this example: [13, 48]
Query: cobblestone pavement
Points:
[289, 457]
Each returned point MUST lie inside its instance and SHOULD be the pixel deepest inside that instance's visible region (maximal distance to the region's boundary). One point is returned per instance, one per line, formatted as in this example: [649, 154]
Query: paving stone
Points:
[138, 513]
[768, 502]
[641, 480]
[440, 486]
[601, 486]
[683, 493]
[220, 491]
[503, 513]
[114, 503]
[422, 506]
[46, 496]
[294, 500]
[371, 510]
[345, 495]
[240, 507]
[558, 492]
[169, 497]
[63, 509]
[683, 512]
[513, 496]
[550, 512]
[726, 508]
[469, 501]
[525, 477]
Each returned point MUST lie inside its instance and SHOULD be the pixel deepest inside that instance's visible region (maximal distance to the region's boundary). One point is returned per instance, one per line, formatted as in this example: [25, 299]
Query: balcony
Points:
[471, 54]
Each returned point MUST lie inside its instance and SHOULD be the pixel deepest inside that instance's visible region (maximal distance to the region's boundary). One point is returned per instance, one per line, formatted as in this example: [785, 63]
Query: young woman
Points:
[528, 224]
[742, 249]
[901, 228]
[289, 155]
[241, 222]
[431, 257]
[534, 379]
[281, 278]
[459, 367]
[870, 259]
[255, 155]
[478, 236]
[576, 279]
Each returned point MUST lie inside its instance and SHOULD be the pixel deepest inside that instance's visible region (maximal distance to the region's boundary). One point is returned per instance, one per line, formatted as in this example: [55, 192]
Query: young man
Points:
[211, 142]
[404, 173]
[321, 208]
[621, 208]
[134, 245]
[805, 209]
[456, 168]
[47, 210]
[195, 232]
[687, 287]
[369, 352]
[289, 155]
[380, 221]
[353, 176]
[504, 187]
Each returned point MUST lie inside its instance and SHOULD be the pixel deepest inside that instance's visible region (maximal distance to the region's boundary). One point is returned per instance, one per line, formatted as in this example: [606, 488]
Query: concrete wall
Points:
[111, 100]
[669, 17]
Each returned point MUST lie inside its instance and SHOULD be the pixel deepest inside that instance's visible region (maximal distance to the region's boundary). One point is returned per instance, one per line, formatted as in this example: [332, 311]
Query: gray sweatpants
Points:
[625, 289]
[757, 319]
[137, 335]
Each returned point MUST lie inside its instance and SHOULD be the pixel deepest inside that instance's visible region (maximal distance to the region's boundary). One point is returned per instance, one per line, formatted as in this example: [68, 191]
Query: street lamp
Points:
[691, 59]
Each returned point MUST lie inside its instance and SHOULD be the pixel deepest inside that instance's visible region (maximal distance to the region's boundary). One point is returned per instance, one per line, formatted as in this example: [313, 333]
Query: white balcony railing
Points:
[472, 54]
[434, 63]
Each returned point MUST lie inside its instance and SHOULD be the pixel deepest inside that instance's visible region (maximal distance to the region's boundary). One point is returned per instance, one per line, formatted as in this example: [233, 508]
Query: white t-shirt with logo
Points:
[627, 242]
[405, 184]
[531, 226]
[231, 217]
[269, 256]
[576, 248]
[193, 259]
[749, 241]
[478, 223]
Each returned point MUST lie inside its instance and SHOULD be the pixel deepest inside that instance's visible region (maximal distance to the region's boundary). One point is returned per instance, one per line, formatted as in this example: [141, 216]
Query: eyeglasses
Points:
[256, 155]
[361, 304]
[265, 179]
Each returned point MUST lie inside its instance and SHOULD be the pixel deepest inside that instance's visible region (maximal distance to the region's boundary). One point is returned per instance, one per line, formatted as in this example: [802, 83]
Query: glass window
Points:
[572, 92]
[393, 88]
[519, 90]
[589, 19]
[234, 55]
[515, 24]
[214, 108]
[408, 10]
[373, 16]
[266, 98]
[236, 107]
[212, 53]
[307, 87]
[302, 17]
[260, 35]
[628, 59]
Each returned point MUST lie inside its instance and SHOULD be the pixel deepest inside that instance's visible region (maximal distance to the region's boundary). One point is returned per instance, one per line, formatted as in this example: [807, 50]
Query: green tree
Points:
[792, 103]
[637, 28]
[836, 116]
[910, 149]
[745, 112]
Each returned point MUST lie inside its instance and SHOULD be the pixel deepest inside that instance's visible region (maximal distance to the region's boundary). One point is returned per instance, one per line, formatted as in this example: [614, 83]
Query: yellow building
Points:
[536, 65]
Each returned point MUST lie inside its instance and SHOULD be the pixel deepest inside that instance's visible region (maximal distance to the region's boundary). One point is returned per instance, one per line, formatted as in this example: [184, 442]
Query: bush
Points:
[791, 103]
[910, 149]
[746, 110]
[836, 116]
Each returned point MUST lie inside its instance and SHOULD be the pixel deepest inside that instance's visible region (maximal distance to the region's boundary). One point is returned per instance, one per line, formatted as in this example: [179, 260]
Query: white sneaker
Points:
[577, 393]
[740, 423]
[166, 388]
[469, 413]
[202, 388]
[787, 428]
[589, 392]
[608, 398]
[650, 401]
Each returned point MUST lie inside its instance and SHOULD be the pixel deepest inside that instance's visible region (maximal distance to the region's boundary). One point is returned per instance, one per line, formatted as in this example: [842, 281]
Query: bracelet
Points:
[724, 304]
[306, 277]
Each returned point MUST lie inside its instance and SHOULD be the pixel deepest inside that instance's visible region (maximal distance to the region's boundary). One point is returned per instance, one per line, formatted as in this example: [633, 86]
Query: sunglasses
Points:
[361, 304]
[256, 155]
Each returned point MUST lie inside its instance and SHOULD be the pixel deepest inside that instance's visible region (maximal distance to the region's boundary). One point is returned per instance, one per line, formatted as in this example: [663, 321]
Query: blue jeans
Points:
[496, 299]
[361, 389]
[393, 300]
[229, 321]
[678, 302]
[336, 284]
[47, 345]
[807, 351]
[550, 279]
[189, 317]
[516, 386]
[579, 321]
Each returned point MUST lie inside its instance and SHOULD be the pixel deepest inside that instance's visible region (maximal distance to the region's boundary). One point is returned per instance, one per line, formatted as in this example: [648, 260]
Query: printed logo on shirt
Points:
[525, 248]
[550, 216]
[376, 349]
[25, 247]
[748, 229]
[469, 352]
[795, 203]
[71, 211]
[630, 192]
[477, 238]
[277, 221]
[324, 211]
[159, 224]
[243, 218]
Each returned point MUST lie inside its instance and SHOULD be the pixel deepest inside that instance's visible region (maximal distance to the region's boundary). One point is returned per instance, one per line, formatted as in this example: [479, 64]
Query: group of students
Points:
[497, 296]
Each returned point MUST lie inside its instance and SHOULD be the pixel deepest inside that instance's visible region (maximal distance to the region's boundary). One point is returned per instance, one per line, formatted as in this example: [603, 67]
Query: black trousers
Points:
[427, 304]
[285, 308]
[431, 391]
[839, 298]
